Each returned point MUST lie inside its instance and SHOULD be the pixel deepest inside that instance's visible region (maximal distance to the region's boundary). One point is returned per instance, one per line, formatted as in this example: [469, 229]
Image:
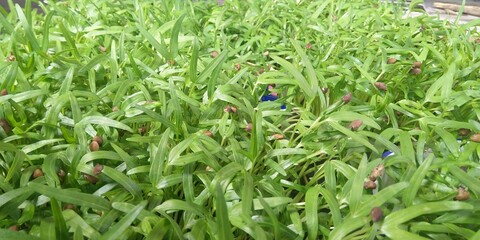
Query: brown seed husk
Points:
[214, 54]
[278, 136]
[13, 228]
[227, 109]
[462, 194]
[376, 214]
[347, 97]
[415, 71]
[377, 172]
[391, 60]
[98, 139]
[91, 179]
[475, 137]
[463, 131]
[208, 133]
[381, 86]
[142, 130]
[417, 64]
[3, 92]
[69, 206]
[37, 173]
[94, 146]
[97, 169]
[4, 124]
[261, 70]
[11, 58]
[369, 184]
[61, 175]
[249, 127]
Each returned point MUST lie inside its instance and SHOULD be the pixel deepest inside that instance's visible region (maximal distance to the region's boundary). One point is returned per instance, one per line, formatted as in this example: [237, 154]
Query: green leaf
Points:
[158, 161]
[92, 156]
[225, 174]
[444, 83]
[160, 47]
[75, 221]
[272, 216]
[61, 231]
[47, 229]
[393, 220]
[176, 227]
[311, 209]
[350, 116]
[123, 180]
[73, 197]
[469, 181]
[118, 228]
[176, 205]
[181, 147]
[92, 63]
[71, 43]
[158, 117]
[20, 97]
[174, 37]
[170, 180]
[223, 224]
[194, 61]
[416, 180]
[406, 147]
[354, 136]
[28, 28]
[12, 235]
[449, 140]
[311, 73]
[347, 226]
[380, 198]
[356, 190]
[103, 121]
[32, 147]
[16, 165]
[13, 194]
[301, 81]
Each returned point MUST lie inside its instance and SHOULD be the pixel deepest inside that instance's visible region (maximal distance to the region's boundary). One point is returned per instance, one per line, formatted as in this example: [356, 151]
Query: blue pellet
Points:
[387, 154]
[269, 97]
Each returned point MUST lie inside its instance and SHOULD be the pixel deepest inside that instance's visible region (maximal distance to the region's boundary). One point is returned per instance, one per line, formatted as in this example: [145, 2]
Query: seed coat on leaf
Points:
[381, 86]
[391, 60]
[347, 97]
[376, 214]
[356, 124]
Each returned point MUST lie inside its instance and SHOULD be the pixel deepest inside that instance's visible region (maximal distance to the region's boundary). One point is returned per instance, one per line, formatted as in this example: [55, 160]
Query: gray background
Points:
[4, 3]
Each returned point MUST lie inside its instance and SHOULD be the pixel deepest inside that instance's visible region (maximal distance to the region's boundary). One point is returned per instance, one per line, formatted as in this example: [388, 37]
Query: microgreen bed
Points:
[249, 120]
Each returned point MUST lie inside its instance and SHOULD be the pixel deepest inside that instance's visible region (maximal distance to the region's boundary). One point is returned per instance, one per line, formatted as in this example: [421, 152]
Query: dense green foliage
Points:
[188, 149]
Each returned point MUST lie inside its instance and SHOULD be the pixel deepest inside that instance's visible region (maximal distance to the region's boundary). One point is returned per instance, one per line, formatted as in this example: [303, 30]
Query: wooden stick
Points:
[471, 10]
